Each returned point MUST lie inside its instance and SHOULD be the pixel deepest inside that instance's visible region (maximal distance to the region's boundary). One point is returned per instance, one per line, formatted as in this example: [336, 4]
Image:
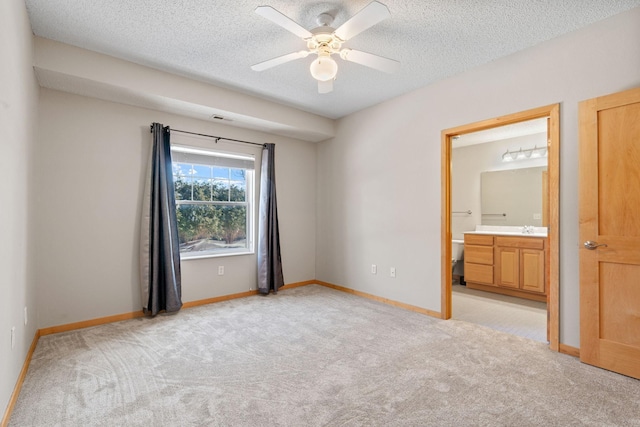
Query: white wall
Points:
[72, 69]
[379, 178]
[91, 160]
[467, 163]
[18, 109]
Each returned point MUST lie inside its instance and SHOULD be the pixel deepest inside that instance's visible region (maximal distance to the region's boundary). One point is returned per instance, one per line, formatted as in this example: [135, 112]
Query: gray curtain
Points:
[159, 244]
[270, 276]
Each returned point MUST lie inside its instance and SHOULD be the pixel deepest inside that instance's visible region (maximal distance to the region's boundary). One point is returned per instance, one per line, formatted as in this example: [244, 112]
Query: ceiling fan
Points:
[324, 41]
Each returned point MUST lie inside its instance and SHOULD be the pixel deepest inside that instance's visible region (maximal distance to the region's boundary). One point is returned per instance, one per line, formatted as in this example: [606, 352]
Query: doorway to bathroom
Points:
[500, 223]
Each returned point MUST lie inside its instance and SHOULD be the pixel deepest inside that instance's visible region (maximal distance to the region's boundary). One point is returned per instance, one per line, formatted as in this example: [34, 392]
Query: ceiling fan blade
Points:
[282, 20]
[373, 13]
[370, 60]
[279, 60]
[325, 87]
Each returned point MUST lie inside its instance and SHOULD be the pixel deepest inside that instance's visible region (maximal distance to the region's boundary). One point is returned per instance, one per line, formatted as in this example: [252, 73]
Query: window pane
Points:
[221, 191]
[211, 228]
[221, 173]
[238, 174]
[238, 191]
[201, 189]
[180, 169]
[195, 225]
[182, 187]
[190, 170]
[202, 171]
[233, 225]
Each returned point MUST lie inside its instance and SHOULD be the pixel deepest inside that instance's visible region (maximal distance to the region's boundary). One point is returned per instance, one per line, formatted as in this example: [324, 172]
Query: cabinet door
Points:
[508, 267]
[532, 270]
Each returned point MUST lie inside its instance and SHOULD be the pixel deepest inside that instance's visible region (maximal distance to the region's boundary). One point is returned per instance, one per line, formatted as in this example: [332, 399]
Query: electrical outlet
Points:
[26, 317]
[374, 269]
[221, 270]
[392, 272]
[537, 216]
[13, 337]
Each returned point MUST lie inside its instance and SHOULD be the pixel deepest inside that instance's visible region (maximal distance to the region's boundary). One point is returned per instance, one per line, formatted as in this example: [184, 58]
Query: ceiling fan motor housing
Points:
[324, 41]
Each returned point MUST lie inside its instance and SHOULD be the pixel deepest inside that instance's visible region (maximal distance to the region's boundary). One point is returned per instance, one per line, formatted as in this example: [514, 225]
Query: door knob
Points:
[591, 245]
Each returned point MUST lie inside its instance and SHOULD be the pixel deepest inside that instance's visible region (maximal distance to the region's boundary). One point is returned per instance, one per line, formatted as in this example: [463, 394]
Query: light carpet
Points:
[504, 313]
[312, 356]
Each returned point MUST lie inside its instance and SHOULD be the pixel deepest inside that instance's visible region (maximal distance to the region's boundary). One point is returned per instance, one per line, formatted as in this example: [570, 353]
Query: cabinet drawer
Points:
[478, 273]
[520, 242]
[478, 254]
[478, 239]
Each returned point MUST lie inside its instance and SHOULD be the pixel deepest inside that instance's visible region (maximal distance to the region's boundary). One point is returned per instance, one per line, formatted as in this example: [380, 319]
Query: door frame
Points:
[553, 113]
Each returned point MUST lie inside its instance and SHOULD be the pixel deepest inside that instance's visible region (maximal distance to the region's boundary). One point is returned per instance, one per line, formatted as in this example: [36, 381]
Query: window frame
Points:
[248, 203]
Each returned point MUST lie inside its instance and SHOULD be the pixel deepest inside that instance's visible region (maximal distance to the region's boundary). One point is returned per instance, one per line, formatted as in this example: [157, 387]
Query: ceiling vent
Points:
[218, 117]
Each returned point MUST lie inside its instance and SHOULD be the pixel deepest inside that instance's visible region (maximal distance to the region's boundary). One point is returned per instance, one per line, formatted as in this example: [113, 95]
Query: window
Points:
[214, 201]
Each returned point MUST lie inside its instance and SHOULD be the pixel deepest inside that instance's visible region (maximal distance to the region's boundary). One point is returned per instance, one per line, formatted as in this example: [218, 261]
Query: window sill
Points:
[204, 256]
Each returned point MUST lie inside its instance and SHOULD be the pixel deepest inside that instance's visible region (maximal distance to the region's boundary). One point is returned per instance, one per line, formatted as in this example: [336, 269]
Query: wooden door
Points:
[610, 221]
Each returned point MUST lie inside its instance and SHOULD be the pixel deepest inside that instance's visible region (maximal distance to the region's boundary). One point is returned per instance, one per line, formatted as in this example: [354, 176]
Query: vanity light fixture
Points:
[529, 153]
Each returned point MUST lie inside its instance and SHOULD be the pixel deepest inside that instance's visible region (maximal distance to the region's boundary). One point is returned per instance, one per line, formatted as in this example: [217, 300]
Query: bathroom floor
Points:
[516, 316]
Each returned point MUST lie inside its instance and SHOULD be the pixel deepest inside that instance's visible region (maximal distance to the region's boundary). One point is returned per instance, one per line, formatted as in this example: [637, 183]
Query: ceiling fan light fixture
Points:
[324, 68]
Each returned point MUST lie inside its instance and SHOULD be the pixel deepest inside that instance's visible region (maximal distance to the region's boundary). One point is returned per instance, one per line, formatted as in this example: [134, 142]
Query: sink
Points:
[504, 230]
[508, 233]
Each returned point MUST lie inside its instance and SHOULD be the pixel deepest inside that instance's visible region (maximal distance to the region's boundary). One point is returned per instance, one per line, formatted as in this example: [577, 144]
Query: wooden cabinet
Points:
[511, 265]
[478, 258]
[508, 267]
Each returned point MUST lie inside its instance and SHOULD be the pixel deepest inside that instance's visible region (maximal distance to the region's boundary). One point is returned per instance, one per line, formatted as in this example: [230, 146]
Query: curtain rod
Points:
[217, 138]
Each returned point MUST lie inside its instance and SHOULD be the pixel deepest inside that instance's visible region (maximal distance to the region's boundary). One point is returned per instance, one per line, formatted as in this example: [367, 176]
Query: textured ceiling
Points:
[218, 41]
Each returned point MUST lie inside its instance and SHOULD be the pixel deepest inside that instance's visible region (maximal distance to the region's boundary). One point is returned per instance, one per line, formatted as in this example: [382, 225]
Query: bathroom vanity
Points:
[507, 263]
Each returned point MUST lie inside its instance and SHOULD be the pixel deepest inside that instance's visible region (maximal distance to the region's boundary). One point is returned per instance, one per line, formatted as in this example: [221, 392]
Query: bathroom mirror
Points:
[514, 197]
[479, 152]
